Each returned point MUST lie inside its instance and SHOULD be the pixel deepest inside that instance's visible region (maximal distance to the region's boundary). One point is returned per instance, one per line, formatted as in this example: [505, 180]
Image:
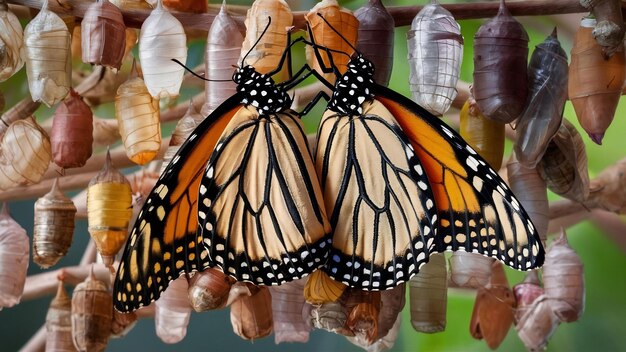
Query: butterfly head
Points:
[260, 91]
[354, 87]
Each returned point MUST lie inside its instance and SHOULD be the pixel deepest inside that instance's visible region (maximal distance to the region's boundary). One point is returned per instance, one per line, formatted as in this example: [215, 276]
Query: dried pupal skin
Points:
[428, 296]
[265, 56]
[103, 35]
[25, 154]
[595, 83]
[364, 315]
[609, 29]
[223, 46]
[547, 81]
[71, 136]
[470, 270]
[331, 316]
[564, 165]
[563, 280]
[172, 312]
[392, 302]
[59, 323]
[92, 314]
[209, 290]
[193, 6]
[320, 288]
[500, 57]
[54, 227]
[251, 316]
[287, 306]
[132, 4]
[493, 309]
[435, 47]
[343, 21]
[375, 38]
[47, 54]
[11, 38]
[122, 323]
[138, 118]
[484, 135]
[109, 210]
[526, 293]
[14, 251]
[162, 38]
[608, 190]
[532, 192]
[537, 325]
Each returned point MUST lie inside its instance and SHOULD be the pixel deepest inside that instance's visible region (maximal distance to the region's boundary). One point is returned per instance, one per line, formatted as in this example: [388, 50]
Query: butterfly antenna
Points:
[197, 75]
[336, 31]
[269, 21]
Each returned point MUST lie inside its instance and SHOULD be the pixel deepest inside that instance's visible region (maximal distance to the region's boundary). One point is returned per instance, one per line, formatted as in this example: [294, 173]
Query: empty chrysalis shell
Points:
[138, 118]
[109, 210]
[331, 316]
[181, 132]
[103, 35]
[595, 83]
[609, 29]
[547, 81]
[71, 135]
[24, 154]
[54, 227]
[132, 4]
[384, 343]
[392, 302]
[209, 290]
[500, 58]
[59, 323]
[375, 38]
[564, 164]
[526, 293]
[470, 270]
[364, 313]
[14, 251]
[435, 47]
[428, 296]
[265, 56]
[92, 314]
[122, 323]
[172, 312]
[287, 306]
[320, 288]
[484, 135]
[47, 54]
[223, 47]
[343, 21]
[563, 280]
[251, 316]
[11, 38]
[162, 38]
[537, 325]
[608, 190]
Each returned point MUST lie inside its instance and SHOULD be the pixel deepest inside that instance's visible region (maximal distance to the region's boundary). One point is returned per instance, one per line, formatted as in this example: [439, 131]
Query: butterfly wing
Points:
[163, 243]
[477, 211]
[371, 177]
[261, 212]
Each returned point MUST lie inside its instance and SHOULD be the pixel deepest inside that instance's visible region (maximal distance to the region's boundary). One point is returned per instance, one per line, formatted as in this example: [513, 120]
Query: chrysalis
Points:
[264, 57]
[48, 59]
[54, 227]
[526, 293]
[608, 190]
[138, 116]
[343, 21]
[428, 296]
[392, 302]
[484, 135]
[320, 288]
[375, 38]
[470, 270]
[595, 83]
[24, 154]
[609, 29]
[364, 312]
[500, 57]
[132, 4]
[103, 35]
[14, 251]
[547, 81]
[172, 312]
[435, 47]
[223, 46]
[537, 325]
[162, 39]
[10, 43]
[181, 132]
[122, 323]
[92, 314]
[209, 290]
[251, 316]
[385, 343]
[193, 6]
[109, 210]
[59, 323]
[331, 316]
[287, 306]
[71, 135]
[564, 165]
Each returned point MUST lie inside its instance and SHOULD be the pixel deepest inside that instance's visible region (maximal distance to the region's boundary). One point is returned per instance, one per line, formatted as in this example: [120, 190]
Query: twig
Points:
[40, 285]
[37, 342]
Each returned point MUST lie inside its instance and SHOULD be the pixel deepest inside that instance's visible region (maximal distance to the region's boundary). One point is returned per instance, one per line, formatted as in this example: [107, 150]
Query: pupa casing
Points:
[14, 251]
[11, 39]
[92, 314]
[375, 38]
[484, 135]
[103, 35]
[71, 136]
[428, 296]
[59, 323]
[172, 312]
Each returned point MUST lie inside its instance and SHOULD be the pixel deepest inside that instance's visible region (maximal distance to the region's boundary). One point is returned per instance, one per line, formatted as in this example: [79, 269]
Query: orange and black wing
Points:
[260, 209]
[163, 243]
[477, 212]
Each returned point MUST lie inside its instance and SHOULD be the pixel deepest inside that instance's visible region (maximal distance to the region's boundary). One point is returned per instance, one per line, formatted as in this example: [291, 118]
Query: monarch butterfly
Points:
[399, 185]
[260, 216]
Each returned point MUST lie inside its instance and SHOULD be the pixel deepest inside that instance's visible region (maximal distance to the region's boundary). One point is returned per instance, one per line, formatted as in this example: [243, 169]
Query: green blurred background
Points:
[601, 328]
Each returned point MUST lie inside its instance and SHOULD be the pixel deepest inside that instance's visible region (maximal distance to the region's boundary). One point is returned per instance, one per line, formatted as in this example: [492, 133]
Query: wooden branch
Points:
[37, 343]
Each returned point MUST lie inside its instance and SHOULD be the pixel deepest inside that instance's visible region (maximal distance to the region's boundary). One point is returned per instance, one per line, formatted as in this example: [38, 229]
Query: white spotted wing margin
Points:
[377, 194]
[261, 213]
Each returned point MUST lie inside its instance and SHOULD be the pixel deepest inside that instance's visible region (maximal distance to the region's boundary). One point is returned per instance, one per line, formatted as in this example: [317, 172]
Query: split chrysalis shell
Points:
[172, 312]
[71, 136]
[470, 270]
[540, 121]
[343, 21]
[330, 316]
[363, 316]
[54, 227]
[608, 190]
[287, 306]
[209, 290]
[14, 251]
[526, 293]
[59, 323]
[11, 39]
[103, 35]
[375, 38]
[536, 326]
[484, 135]
[428, 296]
[122, 323]
[320, 288]
[500, 58]
[92, 314]
[392, 302]
[251, 316]
[435, 47]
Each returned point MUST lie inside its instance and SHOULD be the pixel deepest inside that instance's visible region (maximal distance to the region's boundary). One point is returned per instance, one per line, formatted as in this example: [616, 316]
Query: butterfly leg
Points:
[318, 56]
